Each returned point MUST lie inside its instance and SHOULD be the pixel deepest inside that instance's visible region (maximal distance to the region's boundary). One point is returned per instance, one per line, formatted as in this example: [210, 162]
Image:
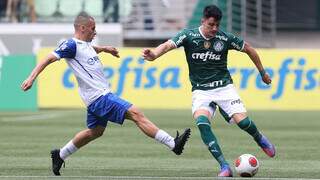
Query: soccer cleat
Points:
[56, 161]
[180, 141]
[225, 171]
[267, 146]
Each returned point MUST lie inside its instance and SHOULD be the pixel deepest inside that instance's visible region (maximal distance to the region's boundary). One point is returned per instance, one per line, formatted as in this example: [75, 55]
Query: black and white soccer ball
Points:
[246, 165]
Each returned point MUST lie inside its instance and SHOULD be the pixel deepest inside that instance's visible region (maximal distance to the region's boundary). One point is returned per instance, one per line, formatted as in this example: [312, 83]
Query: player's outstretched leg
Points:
[250, 127]
[180, 141]
[151, 130]
[56, 162]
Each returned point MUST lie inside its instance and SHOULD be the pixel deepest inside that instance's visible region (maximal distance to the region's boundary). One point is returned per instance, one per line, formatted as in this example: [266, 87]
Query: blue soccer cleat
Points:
[225, 171]
[267, 146]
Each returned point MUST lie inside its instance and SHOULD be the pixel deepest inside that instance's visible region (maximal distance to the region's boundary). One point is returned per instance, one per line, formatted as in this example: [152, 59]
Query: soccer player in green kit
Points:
[206, 49]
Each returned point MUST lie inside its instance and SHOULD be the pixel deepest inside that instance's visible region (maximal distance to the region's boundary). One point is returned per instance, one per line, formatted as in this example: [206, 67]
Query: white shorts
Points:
[226, 98]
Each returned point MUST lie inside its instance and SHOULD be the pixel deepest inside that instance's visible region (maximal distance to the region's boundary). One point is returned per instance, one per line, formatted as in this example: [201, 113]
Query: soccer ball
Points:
[246, 165]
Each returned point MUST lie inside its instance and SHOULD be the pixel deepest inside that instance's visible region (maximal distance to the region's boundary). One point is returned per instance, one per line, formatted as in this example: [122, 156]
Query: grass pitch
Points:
[26, 139]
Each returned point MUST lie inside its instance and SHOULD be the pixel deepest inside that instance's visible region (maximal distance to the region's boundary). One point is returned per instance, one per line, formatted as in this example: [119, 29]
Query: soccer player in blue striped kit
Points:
[206, 49]
[102, 104]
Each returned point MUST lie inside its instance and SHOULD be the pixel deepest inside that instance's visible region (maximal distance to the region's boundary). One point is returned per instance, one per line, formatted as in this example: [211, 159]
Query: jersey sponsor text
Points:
[223, 38]
[235, 45]
[212, 84]
[181, 38]
[205, 56]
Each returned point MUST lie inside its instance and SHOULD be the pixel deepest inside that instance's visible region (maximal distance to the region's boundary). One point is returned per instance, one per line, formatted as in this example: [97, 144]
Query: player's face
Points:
[90, 30]
[210, 26]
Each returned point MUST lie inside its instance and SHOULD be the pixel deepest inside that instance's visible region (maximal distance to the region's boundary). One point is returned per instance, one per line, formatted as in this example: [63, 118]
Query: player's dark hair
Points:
[82, 19]
[212, 11]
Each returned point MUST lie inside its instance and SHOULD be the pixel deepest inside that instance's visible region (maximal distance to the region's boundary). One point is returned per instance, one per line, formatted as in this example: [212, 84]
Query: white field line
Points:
[48, 115]
[146, 177]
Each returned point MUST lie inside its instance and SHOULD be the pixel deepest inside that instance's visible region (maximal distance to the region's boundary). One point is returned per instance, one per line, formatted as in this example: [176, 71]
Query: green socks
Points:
[249, 126]
[209, 139]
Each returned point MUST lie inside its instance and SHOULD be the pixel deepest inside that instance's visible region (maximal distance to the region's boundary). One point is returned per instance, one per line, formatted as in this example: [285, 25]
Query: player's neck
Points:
[79, 37]
[204, 34]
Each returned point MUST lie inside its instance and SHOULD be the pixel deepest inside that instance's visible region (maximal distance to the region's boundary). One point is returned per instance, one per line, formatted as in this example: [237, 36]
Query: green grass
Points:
[26, 139]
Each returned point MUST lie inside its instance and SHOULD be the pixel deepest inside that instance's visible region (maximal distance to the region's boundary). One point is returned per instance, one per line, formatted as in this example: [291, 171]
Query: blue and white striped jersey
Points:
[84, 62]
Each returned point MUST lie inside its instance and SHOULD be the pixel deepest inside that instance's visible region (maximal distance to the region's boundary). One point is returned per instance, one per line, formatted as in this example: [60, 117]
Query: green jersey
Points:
[207, 58]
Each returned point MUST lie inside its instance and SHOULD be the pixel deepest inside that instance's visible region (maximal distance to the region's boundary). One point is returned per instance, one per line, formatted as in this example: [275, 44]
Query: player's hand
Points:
[27, 84]
[112, 50]
[147, 54]
[266, 78]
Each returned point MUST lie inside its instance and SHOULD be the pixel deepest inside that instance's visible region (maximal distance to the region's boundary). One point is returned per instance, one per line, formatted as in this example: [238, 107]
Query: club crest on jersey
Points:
[218, 46]
[93, 60]
[207, 44]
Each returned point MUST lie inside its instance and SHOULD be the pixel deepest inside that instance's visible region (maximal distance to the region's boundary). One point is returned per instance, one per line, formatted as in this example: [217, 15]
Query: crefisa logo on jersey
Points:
[207, 44]
[218, 46]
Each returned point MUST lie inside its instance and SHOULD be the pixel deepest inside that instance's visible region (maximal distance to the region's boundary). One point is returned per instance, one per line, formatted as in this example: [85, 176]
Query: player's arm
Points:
[27, 84]
[151, 55]
[252, 53]
[107, 49]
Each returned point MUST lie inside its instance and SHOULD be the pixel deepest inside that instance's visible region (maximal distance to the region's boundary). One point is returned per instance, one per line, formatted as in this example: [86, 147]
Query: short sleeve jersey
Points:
[85, 64]
[207, 58]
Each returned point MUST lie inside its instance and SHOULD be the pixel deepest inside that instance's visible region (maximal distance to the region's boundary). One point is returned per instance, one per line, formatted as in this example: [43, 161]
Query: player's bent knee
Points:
[96, 132]
[96, 135]
[239, 116]
[135, 114]
[201, 112]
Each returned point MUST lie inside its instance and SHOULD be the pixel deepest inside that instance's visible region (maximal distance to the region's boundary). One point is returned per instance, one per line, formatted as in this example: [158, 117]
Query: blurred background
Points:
[265, 23]
[280, 29]
[286, 34]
